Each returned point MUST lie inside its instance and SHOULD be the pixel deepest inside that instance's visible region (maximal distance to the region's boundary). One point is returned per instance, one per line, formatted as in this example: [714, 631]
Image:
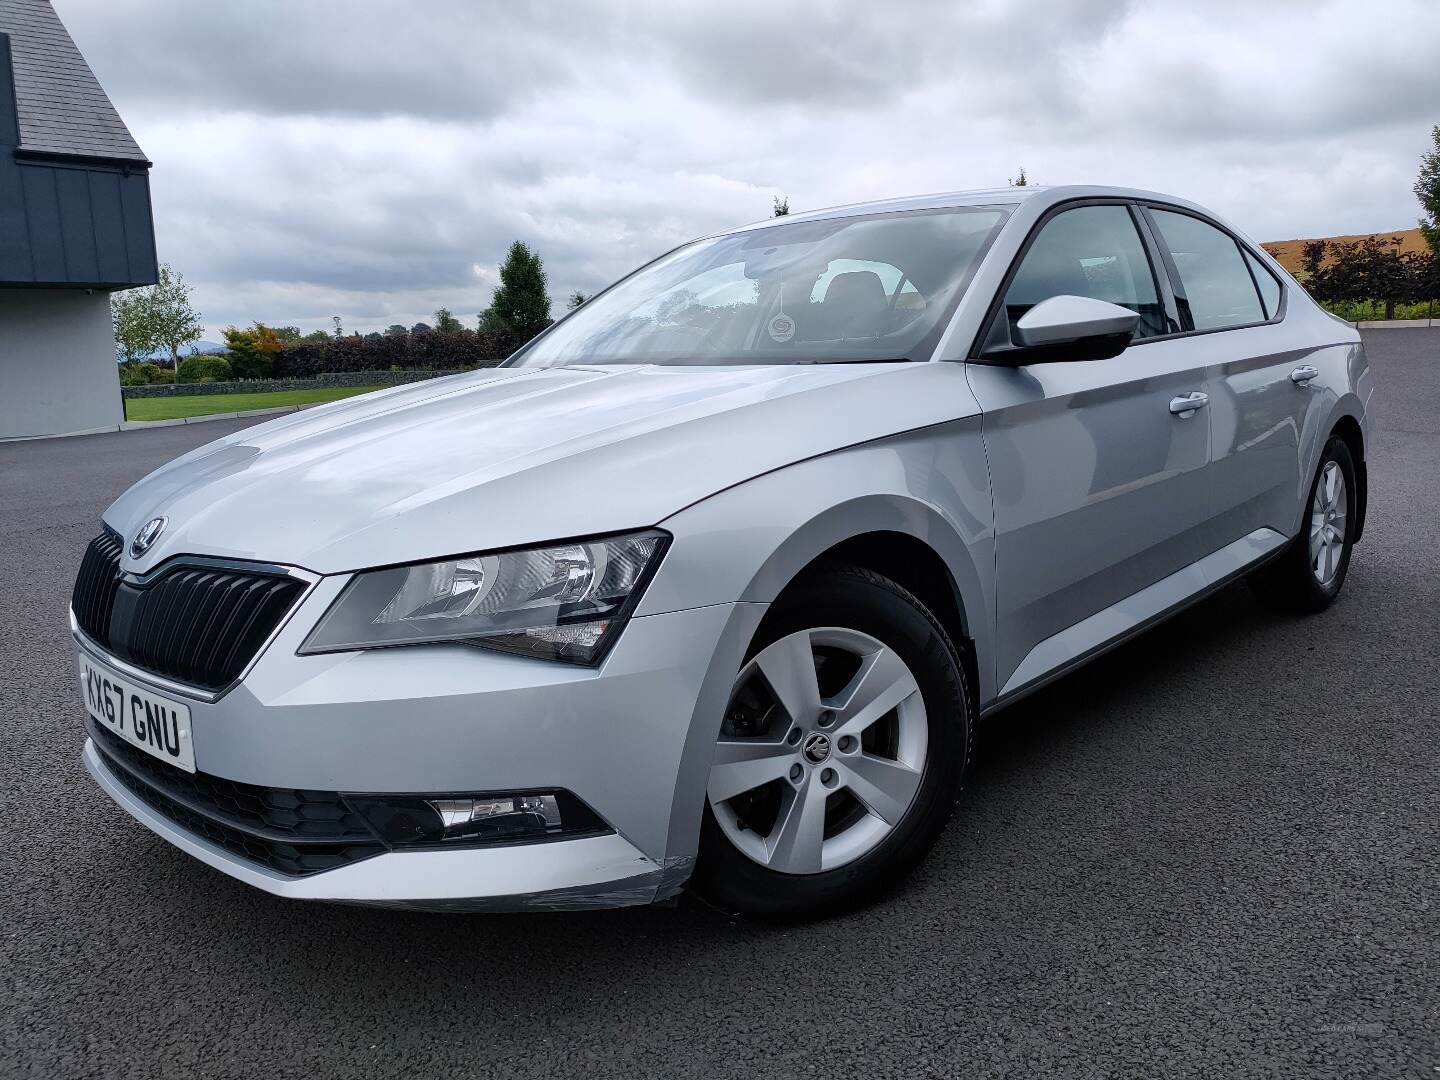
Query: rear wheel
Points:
[841, 752]
[1308, 575]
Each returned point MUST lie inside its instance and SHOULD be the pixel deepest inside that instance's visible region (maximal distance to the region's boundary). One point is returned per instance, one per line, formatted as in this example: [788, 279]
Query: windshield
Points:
[877, 287]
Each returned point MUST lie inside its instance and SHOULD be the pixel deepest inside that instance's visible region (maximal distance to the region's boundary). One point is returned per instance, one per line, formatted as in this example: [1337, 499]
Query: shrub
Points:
[1369, 271]
[252, 352]
[1374, 310]
[195, 369]
[429, 350]
[133, 374]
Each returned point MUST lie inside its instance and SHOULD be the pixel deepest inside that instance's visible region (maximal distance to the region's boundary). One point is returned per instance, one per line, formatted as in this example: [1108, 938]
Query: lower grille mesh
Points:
[294, 832]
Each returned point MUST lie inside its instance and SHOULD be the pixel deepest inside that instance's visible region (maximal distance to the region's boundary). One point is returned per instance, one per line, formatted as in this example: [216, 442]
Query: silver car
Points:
[712, 582]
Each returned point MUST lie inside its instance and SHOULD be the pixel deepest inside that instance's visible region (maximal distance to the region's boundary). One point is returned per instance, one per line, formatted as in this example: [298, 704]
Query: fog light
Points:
[462, 817]
[470, 820]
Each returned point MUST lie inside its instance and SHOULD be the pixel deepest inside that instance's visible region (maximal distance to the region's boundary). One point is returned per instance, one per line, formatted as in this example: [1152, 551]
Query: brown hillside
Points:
[1287, 252]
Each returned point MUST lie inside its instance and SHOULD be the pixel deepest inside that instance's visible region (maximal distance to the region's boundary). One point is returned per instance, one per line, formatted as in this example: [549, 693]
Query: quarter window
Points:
[1269, 287]
[1091, 251]
[1217, 289]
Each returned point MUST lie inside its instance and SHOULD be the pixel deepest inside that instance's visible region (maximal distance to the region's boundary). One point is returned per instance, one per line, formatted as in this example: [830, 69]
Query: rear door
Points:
[1099, 488]
[1264, 407]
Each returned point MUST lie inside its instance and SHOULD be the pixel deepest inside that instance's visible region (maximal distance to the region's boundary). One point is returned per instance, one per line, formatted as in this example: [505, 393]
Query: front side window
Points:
[875, 287]
[1214, 286]
[1092, 251]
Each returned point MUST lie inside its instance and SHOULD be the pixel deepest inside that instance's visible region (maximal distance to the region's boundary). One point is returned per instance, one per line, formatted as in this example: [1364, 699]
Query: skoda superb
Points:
[711, 582]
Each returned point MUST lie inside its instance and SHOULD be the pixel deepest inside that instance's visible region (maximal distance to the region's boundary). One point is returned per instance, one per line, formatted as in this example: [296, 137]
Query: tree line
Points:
[1370, 271]
[161, 318]
[1374, 270]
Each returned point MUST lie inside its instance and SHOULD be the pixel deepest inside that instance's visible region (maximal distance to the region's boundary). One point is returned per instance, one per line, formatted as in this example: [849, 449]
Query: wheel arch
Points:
[908, 541]
[910, 514]
[751, 543]
[917, 567]
[1347, 428]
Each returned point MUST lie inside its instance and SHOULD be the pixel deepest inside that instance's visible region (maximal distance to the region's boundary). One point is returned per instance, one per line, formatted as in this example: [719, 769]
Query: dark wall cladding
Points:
[77, 222]
[63, 224]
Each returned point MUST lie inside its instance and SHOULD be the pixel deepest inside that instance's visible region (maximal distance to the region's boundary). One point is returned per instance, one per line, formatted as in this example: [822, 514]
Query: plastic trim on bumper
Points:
[595, 872]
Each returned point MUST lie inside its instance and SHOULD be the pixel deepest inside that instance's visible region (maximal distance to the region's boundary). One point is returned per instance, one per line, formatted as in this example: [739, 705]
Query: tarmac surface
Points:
[1212, 853]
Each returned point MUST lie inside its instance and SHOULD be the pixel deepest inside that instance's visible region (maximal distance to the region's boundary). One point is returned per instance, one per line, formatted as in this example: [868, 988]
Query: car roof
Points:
[1046, 195]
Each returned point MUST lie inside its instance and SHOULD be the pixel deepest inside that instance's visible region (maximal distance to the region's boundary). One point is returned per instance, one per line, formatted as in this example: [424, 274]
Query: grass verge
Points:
[173, 408]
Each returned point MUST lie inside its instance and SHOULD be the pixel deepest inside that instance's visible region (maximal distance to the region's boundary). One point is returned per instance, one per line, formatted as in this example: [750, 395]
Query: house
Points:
[75, 225]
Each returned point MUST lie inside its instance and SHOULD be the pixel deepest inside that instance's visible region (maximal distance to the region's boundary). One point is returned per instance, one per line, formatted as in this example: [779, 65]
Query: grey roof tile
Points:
[61, 106]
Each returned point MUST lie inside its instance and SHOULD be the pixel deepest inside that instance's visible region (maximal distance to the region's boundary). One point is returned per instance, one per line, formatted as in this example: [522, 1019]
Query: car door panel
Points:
[1099, 482]
[1259, 412]
[1099, 489]
[1263, 425]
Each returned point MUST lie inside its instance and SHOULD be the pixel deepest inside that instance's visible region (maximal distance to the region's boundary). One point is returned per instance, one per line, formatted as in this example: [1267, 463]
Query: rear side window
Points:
[1217, 289]
[1269, 287]
[1088, 251]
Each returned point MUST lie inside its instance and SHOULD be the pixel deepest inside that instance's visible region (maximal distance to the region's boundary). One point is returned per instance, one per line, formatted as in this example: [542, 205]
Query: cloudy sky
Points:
[374, 160]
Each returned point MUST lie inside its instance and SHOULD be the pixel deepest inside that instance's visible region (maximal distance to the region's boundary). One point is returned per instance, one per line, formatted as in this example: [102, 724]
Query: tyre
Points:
[1308, 575]
[841, 753]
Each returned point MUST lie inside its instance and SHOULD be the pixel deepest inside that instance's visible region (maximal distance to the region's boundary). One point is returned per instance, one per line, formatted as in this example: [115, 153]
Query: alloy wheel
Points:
[1327, 523]
[822, 750]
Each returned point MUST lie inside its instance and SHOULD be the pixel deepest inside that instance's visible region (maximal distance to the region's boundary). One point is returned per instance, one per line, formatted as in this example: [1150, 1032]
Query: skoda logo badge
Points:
[148, 534]
[817, 747]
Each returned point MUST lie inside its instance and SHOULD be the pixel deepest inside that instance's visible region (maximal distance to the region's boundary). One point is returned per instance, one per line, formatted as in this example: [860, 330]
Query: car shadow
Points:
[1214, 626]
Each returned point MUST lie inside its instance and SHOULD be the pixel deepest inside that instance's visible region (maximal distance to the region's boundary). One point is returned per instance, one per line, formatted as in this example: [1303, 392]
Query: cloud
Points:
[374, 160]
[348, 58]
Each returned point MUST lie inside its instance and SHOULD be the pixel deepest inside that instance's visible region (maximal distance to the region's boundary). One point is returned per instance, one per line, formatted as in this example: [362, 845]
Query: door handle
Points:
[1302, 375]
[1186, 404]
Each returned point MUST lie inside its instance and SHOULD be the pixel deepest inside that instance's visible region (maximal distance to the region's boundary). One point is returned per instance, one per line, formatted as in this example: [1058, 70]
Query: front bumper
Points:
[597, 871]
[632, 739]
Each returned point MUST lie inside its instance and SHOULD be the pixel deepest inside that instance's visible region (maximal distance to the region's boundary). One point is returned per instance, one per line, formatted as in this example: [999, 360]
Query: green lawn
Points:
[172, 408]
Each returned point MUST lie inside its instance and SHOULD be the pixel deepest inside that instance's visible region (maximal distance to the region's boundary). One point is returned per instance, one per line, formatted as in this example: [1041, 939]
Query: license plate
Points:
[156, 724]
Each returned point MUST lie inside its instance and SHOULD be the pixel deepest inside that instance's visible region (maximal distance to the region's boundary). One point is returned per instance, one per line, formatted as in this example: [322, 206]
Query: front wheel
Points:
[841, 752]
[1308, 575]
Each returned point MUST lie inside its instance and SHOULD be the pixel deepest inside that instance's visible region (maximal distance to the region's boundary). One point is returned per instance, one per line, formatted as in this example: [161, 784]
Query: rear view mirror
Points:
[1069, 328]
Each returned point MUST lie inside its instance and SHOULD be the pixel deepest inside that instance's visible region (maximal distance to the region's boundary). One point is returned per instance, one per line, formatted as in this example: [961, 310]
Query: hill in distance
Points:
[1287, 252]
[201, 346]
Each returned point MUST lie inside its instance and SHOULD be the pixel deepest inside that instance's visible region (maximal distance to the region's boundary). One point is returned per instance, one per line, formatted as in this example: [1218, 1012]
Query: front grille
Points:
[199, 625]
[95, 586]
[295, 832]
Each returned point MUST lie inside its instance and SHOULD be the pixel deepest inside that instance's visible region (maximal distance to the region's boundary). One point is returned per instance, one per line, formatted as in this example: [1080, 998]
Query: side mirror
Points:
[1069, 328]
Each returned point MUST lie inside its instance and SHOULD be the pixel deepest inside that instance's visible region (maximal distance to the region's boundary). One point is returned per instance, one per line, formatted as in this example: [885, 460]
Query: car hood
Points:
[508, 457]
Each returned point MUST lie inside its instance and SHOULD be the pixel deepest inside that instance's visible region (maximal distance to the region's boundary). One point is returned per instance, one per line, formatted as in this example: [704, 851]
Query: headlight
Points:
[563, 602]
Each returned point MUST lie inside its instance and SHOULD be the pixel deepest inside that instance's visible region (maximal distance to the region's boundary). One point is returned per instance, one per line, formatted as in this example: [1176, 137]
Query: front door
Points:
[1099, 484]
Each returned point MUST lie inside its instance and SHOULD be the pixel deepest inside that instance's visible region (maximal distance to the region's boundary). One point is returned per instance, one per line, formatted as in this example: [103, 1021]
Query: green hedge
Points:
[203, 369]
[1367, 310]
[428, 350]
[142, 374]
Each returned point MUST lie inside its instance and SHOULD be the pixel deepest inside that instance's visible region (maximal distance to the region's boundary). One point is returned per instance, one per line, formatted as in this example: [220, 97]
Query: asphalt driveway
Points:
[1213, 853]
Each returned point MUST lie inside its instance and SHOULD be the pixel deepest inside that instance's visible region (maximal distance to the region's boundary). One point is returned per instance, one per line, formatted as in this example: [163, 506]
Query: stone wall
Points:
[263, 386]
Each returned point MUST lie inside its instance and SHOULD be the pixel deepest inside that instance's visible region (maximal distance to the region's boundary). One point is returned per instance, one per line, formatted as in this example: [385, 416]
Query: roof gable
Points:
[60, 104]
